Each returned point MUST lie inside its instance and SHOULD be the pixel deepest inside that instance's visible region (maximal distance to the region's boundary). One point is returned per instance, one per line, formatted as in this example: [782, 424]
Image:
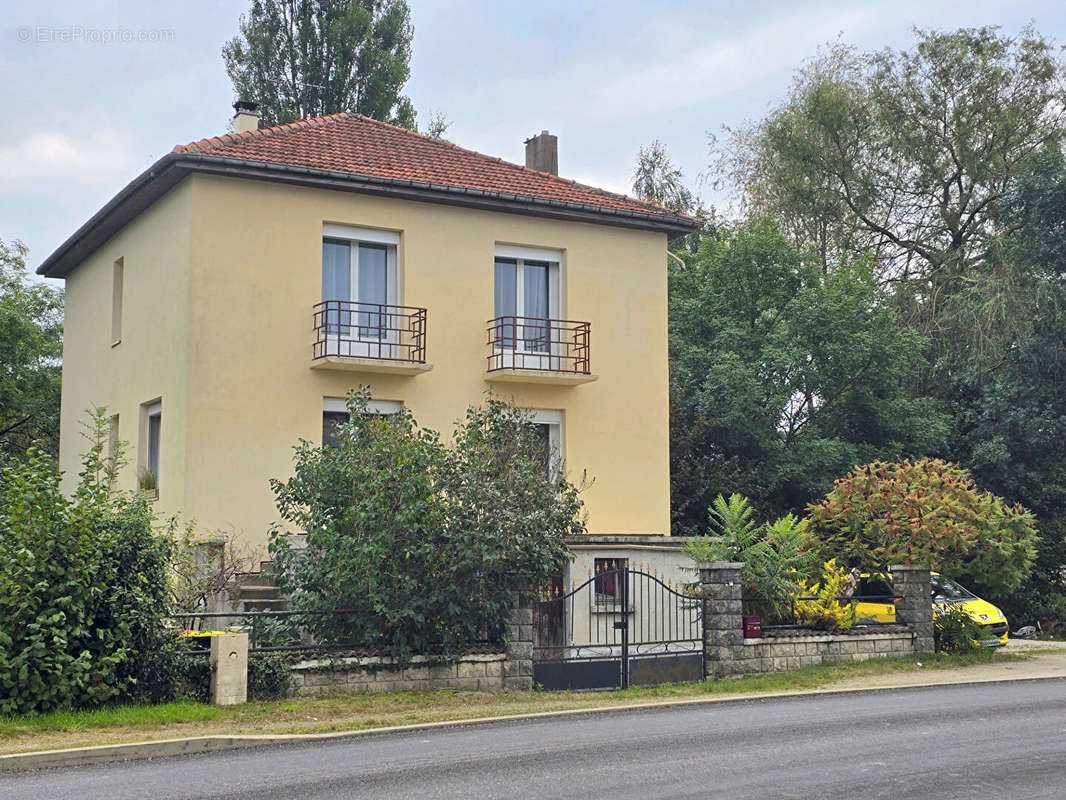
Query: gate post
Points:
[722, 609]
[915, 609]
[518, 668]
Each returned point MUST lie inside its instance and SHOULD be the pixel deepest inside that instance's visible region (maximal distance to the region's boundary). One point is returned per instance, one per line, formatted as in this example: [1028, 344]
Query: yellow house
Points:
[223, 304]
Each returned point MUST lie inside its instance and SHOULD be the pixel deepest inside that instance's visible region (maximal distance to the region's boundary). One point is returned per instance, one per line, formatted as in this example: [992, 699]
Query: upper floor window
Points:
[359, 276]
[526, 295]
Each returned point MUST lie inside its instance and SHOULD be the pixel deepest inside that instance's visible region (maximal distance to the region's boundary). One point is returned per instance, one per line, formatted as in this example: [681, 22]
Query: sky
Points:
[93, 92]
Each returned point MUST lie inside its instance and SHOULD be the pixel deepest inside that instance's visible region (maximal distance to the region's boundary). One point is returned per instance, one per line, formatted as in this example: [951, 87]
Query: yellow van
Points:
[880, 605]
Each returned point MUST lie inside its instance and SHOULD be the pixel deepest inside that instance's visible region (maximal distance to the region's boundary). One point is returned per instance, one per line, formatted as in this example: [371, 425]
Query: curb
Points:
[196, 745]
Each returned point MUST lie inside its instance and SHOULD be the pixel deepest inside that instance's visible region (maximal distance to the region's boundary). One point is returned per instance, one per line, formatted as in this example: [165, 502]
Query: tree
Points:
[418, 540]
[31, 345]
[784, 376]
[657, 180]
[438, 125]
[906, 155]
[1011, 421]
[308, 58]
[925, 513]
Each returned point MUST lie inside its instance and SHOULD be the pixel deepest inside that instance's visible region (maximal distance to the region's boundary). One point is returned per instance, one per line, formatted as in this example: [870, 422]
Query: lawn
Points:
[360, 712]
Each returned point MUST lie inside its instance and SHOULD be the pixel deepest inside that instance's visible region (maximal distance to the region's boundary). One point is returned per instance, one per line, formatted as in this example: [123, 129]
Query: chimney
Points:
[542, 153]
[247, 116]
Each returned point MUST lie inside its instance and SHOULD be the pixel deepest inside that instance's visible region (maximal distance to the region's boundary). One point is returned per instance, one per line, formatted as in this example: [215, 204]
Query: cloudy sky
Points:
[86, 109]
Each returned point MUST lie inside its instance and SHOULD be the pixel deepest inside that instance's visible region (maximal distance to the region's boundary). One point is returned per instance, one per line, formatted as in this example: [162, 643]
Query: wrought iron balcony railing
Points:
[535, 343]
[351, 329]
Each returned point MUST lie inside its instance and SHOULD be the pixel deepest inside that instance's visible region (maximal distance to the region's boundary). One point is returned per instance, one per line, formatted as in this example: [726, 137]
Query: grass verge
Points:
[360, 712]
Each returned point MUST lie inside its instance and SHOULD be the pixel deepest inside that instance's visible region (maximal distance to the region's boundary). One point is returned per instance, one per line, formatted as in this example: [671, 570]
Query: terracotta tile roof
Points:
[358, 145]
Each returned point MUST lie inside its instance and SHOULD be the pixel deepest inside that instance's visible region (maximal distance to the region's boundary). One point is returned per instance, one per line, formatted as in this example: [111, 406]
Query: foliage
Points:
[420, 540]
[827, 612]
[929, 513]
[269, 676]
[907, 155]
[954, 630]
[438, 125]
[656, 179]
[1011, 421]
[202, 569]
[308, 58]
[31, 344]
[83, 584]
[784, 376]
[775, 556]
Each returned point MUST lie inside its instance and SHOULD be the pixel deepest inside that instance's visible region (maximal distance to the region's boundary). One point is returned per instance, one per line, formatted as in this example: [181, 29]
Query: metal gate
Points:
[621, 627]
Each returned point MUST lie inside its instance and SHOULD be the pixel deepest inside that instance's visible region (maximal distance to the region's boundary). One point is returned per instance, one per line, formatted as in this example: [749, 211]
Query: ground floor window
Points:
[335, 412]
[608, 581]
[549, 426]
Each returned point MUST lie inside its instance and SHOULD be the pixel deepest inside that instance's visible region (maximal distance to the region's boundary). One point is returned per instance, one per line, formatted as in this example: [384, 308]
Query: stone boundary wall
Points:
[481, 672]
[781, 653]
[727, 652]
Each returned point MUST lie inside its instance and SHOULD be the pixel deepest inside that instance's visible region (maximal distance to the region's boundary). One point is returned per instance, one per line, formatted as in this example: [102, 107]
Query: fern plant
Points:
[776, 556]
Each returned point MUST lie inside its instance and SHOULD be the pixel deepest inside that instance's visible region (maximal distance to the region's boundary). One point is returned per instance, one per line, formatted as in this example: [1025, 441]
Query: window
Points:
[335, 412]
[526, 289]
[549, 426]
[151, 441]
[112, 437]
[608, 579]
[117, 275]
[359, 281]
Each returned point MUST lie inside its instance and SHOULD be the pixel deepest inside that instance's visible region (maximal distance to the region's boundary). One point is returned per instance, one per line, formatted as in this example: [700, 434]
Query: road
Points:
[1004, 740]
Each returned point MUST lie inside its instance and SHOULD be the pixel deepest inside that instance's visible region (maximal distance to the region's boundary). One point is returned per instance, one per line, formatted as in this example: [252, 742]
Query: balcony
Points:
[539, 350]
[370, 337]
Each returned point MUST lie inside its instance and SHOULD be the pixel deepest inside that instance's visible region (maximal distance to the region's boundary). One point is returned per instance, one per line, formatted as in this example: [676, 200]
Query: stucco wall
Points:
[151, 360]
[256, 273]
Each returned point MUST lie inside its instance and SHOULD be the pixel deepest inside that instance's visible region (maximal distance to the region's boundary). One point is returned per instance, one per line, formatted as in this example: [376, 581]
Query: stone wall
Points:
[482, 672]
[786, 652]
[727, 652]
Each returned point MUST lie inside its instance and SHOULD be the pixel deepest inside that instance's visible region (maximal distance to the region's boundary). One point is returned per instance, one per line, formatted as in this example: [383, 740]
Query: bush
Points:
[929, 513]
[776, 556]
[269, 676]
[420, 540]
[955, 631]
[83, 584]
[827, 612]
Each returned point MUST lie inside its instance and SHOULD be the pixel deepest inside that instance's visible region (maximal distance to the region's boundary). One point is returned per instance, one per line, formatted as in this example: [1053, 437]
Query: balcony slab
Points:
[539, 376]
[378, 366]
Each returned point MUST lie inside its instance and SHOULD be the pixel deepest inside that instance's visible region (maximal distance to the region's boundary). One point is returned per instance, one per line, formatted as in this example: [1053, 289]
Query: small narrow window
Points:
[549, 432]
[116, 302]
[112, 437]
[151, 444]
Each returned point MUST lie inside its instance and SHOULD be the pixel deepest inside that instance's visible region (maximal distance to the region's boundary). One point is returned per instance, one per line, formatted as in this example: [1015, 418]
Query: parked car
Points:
[880, 604]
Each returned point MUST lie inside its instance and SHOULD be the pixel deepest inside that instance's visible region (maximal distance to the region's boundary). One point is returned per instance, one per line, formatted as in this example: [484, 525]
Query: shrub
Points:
[269, 676]
[417, 539]
[926, 512]
[955, 631]
[827, 612]
[776, 556]
[83, 584]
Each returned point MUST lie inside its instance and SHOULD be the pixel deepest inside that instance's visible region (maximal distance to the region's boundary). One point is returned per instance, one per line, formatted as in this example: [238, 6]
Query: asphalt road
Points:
[1003, 740]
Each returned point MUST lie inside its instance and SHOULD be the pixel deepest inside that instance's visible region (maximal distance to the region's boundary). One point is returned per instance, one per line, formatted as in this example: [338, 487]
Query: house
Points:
[224, 303]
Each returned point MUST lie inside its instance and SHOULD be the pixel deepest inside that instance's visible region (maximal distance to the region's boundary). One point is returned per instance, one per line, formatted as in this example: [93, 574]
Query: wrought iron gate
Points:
[621, 627]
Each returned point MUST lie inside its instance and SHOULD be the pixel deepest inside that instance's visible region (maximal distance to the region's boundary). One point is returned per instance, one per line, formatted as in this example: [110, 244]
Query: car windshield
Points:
[947, 589]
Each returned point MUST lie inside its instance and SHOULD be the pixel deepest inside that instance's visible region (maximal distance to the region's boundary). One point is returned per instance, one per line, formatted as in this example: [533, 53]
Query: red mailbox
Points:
[752, 627]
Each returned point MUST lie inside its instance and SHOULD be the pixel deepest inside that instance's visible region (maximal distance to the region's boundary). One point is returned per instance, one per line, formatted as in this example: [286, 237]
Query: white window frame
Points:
[554, 421]
[149, 410]
[339, 405]
[369, 347]
[524, 357]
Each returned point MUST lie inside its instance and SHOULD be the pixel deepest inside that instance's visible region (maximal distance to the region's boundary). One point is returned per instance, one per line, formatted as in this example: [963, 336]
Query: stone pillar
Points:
[518, 668]
[229, 669]
[723, 627]
[915, 609]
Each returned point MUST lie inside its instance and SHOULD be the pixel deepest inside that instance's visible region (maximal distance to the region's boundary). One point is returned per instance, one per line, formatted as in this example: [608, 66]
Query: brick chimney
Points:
[542, 153]
[247, 116]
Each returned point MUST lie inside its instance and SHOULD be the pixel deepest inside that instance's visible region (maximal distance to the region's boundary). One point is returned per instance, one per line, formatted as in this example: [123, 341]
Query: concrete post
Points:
[723, 627]
[915, 609]
[229, 669]
[518, 668]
